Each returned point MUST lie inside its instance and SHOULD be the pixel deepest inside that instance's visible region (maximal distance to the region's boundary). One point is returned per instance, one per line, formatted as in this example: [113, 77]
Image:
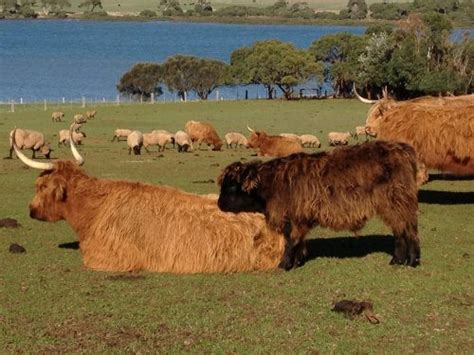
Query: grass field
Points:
[139, 5]
[50, 303]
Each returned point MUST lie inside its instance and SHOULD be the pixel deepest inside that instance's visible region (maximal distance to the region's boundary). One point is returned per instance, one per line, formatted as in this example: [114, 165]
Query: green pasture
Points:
[50, 303]
[140, 5]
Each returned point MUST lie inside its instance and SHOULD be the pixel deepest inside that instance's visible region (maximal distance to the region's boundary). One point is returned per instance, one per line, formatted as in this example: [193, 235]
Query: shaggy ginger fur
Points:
[203, 132]
[443, 137]
[125, 226]
[273, 146]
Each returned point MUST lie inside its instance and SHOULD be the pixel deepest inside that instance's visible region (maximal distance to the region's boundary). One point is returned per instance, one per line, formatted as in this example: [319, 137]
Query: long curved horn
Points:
[75, 153]
[30, 162]
[364, 100]
[250, 129]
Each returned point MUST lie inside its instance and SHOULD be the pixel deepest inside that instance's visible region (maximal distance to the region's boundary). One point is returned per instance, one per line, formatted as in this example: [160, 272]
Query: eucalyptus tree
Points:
[274, 64]
[142, 80]
[340, 54]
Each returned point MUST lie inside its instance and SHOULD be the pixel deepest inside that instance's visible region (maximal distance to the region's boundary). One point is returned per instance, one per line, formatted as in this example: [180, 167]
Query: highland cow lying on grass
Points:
[124, 226]
[341, 190]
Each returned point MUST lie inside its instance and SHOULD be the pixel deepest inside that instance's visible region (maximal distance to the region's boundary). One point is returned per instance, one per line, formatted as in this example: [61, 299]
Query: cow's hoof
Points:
[396, 261]
[414, 263]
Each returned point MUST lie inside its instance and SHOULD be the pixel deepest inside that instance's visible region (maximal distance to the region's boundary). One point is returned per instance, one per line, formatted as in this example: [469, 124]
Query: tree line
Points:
[417, 57]
[458, 11]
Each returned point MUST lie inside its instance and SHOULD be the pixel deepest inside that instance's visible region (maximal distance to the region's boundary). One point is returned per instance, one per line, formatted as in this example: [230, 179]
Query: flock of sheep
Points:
[194, 134]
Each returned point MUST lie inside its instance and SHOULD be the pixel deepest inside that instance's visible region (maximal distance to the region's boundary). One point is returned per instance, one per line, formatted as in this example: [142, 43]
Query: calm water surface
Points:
[52, 59]
[69, 58]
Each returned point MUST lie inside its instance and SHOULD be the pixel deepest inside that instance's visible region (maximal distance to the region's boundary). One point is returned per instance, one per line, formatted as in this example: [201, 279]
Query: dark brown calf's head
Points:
[240, 188]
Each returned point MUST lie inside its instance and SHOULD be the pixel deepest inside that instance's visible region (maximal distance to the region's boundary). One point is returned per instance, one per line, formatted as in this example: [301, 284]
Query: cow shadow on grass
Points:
[349, 247]
[71, 245]
[449, 177]
[435, 197]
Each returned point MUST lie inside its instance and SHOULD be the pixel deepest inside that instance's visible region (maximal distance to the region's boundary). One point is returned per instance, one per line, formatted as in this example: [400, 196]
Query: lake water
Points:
[69, 58]
[52, 59]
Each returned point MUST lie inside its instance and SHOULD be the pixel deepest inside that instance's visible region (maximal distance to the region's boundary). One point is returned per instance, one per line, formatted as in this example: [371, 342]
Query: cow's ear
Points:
[59, 189]
[233, 170]
[250, 180]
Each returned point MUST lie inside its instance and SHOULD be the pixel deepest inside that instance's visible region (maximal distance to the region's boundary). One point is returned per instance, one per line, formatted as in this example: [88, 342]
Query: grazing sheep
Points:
[121, 133]
[159, 138]
[183, 141]
[91, 114]
[79, 118]
[236, 138]
[361, 131]
[57, 116]
[339, 138]
[135, 142]
[29, 139]
[64, 136]
[309, 140]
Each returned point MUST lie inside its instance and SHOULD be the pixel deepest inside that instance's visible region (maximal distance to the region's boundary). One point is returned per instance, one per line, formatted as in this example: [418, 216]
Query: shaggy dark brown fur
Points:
[273, 146]
[341, 190]
[125, 226]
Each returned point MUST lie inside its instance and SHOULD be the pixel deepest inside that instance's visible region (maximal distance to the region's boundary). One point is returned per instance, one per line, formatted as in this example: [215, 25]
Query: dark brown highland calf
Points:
[341, 190]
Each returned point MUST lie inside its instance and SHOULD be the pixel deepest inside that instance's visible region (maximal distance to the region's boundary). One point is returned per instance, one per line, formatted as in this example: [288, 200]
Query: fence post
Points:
[12, 108]
[152, 98]
[45, 105]
[83, 102]
[118, 99]
[217, 95]
[64, 100]
[21, 100]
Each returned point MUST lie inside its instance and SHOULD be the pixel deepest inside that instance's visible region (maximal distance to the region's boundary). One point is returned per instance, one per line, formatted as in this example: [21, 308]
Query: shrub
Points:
[148, 13]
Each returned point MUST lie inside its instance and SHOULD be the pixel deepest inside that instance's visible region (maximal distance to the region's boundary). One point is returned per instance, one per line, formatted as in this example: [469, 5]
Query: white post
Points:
[141, 98]
[152, 99]
[118, 99]
[103, 99]
[21, 100]
[217, 95]
[83, 101]
[12, 106]
[185, 96]
[45, 105]
[64, 100]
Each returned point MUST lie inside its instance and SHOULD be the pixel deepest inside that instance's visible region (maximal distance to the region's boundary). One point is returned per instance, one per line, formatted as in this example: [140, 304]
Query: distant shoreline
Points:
[260, 20]
[212, 19]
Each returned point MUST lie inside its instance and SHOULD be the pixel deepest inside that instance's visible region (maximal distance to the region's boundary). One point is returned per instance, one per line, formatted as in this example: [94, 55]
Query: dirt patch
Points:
[9, 223]
[351, 309]
[16, 249]
[209, 181]
[125, 277]
[215, 164]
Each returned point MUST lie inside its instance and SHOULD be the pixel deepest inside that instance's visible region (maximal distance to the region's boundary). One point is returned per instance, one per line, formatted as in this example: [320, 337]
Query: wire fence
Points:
[13, 105]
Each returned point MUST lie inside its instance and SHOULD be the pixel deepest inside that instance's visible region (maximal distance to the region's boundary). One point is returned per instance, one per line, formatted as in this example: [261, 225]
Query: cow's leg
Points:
[407, 244]
[400, 251]
[410, 234]
[289, 254]
[11, 152]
